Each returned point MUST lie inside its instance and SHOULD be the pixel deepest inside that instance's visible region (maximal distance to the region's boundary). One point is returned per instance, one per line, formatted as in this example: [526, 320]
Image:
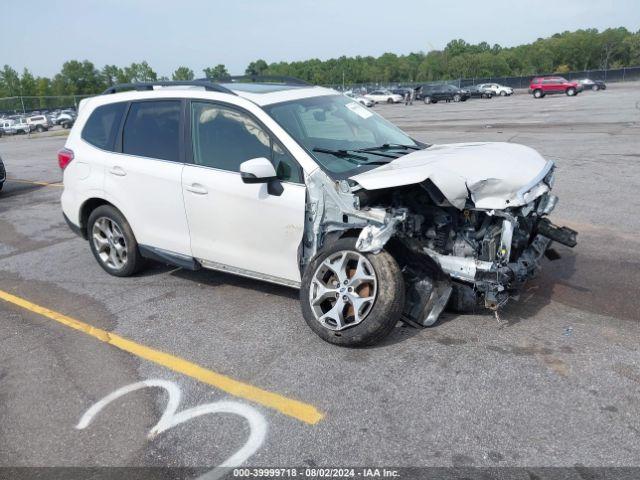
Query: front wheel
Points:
[350, 298]
[456, 98]
[595, 88]
[571, 92]
[538, 94]
[428, 100]
[389, 100]
[503, 93]
[40, 128]
[112, 242]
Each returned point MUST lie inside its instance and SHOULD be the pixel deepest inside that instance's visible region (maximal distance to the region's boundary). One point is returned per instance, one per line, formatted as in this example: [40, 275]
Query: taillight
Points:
[64, 157]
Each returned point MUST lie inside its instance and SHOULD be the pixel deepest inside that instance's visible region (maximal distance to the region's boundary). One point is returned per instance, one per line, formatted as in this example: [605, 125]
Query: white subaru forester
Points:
[299, 185]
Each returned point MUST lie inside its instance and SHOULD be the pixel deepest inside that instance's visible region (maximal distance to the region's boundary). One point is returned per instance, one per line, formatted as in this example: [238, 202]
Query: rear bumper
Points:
[74, 228]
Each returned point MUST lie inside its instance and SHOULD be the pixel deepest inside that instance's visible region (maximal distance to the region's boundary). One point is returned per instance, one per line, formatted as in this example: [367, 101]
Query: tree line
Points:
[560, 53]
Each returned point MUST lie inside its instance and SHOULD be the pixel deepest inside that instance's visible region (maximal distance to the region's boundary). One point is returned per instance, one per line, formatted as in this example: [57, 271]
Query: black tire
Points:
[457, 98]
[389, 100]
[1, 185]
[134, 262]
[503, 93]
[385, 312]
[538, 93]
[40, 129]
[571, 92]
[427, 100]
[595, 88]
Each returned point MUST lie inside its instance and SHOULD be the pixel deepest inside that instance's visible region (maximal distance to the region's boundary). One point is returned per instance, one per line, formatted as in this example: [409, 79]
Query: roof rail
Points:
[277, 79]
[141, 86]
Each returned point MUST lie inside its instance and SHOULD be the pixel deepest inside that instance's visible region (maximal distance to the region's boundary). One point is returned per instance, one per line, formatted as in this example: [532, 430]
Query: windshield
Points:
[341, 129]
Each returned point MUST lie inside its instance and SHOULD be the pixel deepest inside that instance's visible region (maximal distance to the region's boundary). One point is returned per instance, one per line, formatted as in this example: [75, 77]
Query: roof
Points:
[259, 91]
[270, 94]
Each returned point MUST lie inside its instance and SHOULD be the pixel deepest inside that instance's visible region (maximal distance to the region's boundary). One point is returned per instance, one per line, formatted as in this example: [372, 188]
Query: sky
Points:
[41, 35]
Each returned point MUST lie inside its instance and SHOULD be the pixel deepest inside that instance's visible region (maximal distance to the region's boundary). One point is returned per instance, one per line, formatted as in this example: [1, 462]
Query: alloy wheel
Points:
[109, 242]
[343, 290]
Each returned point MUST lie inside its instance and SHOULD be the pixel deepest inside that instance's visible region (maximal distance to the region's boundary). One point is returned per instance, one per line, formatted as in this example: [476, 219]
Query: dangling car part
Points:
[467, 223]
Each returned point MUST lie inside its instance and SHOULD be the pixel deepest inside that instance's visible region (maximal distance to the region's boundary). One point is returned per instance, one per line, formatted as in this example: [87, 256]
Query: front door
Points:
[232, 223]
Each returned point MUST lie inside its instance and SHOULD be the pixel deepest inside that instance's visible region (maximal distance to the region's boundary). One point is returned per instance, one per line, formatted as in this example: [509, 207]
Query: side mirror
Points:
[257, 170]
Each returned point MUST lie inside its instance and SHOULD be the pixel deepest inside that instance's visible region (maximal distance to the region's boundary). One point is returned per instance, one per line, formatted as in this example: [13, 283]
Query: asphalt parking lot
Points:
[555, 382]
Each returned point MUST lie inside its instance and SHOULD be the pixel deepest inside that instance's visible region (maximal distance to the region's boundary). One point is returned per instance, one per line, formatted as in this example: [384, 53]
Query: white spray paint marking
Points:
[171, 417]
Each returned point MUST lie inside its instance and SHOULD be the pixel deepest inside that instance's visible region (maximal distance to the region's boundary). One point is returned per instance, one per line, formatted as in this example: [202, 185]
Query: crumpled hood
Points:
[496, 174]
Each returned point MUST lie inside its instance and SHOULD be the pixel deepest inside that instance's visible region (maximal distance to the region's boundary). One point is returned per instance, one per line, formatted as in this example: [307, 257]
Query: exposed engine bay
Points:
[462, 256]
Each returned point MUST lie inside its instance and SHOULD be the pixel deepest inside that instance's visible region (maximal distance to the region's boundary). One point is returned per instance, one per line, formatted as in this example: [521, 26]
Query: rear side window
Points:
[102, 126]
[152, 130]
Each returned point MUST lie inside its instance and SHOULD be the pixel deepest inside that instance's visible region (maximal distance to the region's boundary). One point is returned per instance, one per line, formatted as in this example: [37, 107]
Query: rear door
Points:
[246, 228]
[143, 177]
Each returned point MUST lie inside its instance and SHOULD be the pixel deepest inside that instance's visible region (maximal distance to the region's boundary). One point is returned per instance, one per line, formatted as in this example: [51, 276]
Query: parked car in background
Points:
[541, 86]
[384, 96]
[3, 174]
[66, 124]
[5, 125]
[446, 92]
[498, 89]
[360, 99]
[480, 91]
[65, 116]
[595, 85]
[20, 125]
[40, 123]
[402, 91]
[65, 120]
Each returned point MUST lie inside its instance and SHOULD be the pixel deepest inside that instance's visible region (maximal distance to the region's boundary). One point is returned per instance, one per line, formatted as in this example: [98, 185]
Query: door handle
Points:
[119, 171]
[196, 188]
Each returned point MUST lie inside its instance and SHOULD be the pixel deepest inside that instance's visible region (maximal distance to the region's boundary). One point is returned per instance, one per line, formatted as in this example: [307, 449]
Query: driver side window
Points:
[224, 138]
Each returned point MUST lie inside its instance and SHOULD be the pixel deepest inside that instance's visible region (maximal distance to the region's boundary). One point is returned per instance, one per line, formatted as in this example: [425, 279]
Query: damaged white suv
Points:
[299, 185]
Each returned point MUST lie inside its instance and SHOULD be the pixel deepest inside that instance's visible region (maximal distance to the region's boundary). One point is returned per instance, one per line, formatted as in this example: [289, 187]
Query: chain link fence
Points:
[611, 76]
[21, 105]
[27, 104]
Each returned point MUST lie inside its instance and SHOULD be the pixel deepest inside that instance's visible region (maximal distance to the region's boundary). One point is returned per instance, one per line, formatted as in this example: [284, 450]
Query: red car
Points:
[541, 86]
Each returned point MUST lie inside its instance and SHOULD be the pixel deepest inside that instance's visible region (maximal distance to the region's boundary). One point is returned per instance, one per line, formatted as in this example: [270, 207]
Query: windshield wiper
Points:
[354, 158]
[340, 153]
[389, 146]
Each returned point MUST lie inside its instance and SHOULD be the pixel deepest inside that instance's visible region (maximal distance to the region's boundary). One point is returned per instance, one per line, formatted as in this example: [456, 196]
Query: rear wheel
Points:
[503, 93]
[571, 92]
[595, 88]
[456, 98]
[112, 242]
[351, 298]
[40, 129]
[389, 100]
[428, 100]
[538, 93]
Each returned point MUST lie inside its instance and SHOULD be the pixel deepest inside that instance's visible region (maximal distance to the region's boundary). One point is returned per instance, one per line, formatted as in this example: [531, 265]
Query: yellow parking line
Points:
[33, 182]
[293, 408]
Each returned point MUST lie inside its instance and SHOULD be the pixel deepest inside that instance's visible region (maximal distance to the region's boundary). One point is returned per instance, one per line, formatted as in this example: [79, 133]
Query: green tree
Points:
[27, 84]
[258, 67]
[9, 82]
[182, 73]
[140, 72]
[112, 75]
[219, 72]
[78, 78]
